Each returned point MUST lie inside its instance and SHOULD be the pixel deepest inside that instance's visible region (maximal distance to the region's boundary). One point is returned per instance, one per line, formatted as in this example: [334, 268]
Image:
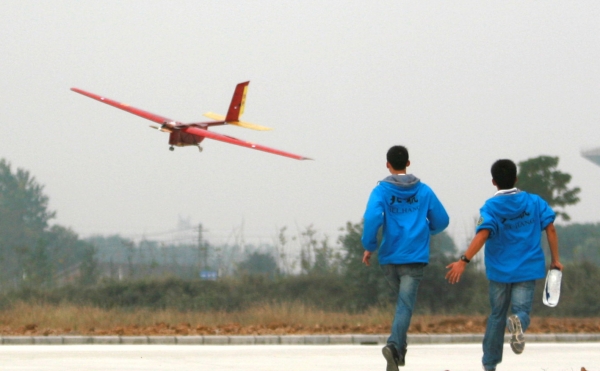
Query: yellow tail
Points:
[243, 124]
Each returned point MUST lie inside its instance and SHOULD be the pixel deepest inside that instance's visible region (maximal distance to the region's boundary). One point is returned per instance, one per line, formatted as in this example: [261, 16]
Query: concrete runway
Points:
[453, 357]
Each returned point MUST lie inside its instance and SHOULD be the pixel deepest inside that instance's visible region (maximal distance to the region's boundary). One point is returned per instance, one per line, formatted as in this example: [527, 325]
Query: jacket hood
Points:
[401, 185]
[403, 181]
[510, 206]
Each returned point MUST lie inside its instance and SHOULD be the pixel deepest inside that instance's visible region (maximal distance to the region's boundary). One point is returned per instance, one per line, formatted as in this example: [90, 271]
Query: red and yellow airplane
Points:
[192, 134]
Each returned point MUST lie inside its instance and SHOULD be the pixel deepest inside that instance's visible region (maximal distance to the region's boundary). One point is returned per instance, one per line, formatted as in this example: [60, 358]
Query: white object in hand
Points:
[552, 287]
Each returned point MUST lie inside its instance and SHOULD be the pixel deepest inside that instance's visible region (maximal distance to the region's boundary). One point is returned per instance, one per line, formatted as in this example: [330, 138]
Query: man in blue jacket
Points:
[409, 213]
[510, 225]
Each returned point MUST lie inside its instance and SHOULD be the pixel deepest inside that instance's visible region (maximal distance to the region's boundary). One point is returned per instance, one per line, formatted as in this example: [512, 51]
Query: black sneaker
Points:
[391, 356]
[517, 341]
[402, 358]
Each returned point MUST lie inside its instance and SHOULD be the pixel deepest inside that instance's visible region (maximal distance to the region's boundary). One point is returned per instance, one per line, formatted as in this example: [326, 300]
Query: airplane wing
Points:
[124, 107]
[231, 140]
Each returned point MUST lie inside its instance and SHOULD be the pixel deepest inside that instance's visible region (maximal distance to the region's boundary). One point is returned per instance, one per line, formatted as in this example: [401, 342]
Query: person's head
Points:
[397, 158]
[504, 174]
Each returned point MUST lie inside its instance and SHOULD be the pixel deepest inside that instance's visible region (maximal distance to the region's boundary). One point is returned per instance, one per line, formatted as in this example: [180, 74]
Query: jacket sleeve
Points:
[487, 221]
[373, 219]
[547, 215]
[436, 215]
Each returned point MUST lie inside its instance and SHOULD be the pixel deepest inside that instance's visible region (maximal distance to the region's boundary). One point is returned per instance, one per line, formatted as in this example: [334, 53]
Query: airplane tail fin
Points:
[214, 116]
[236, 108]
[244, 124]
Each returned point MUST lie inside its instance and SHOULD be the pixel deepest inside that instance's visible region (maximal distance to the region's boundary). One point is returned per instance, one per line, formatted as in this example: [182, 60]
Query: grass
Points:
[29, 318]
[276, 319]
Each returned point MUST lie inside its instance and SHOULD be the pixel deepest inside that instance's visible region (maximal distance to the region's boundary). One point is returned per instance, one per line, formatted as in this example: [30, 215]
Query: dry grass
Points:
[277, 319]
[294, 318]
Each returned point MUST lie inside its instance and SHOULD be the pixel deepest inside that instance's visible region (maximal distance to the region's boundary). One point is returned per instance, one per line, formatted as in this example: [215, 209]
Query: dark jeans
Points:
[501, 296]
[404, 279]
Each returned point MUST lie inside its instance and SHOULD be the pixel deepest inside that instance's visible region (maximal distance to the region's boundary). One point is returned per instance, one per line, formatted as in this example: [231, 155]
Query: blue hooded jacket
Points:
[409, 212]
[513, 250]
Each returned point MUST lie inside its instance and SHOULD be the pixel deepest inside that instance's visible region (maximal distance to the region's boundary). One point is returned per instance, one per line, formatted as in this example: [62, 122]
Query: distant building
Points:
[592, 155]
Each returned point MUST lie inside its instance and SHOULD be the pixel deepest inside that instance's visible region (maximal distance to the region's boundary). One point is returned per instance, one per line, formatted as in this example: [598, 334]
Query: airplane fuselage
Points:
[180, 138]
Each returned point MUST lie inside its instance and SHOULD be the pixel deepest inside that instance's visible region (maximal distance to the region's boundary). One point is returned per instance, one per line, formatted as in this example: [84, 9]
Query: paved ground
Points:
[453, 357]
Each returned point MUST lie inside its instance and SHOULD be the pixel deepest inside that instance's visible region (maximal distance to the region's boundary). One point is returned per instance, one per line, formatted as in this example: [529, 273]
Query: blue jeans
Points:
[501, 296]
[404, 279]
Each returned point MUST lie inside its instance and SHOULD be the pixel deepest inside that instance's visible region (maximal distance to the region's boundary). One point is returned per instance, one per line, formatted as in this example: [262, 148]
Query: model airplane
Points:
[193, 133]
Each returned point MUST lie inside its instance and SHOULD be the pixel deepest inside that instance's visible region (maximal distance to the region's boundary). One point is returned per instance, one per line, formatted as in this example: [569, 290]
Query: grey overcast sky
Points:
[460, 83]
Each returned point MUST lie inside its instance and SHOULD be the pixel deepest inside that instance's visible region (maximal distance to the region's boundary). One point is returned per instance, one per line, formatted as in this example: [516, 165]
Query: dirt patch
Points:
[419, 325]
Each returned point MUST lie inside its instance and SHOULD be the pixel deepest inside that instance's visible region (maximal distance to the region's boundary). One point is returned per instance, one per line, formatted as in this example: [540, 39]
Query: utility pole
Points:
[202, 248]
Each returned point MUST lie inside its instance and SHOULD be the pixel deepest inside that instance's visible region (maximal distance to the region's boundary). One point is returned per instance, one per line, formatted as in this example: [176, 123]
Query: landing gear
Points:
[172, 148]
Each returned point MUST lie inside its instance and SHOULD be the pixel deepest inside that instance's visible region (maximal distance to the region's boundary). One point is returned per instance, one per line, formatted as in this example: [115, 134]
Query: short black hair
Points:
[504, 172]
[397, 156]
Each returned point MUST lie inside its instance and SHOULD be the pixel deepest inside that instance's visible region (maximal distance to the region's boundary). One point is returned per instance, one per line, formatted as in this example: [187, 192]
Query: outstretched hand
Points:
[458, 267]
[366, 258]
[456, 270]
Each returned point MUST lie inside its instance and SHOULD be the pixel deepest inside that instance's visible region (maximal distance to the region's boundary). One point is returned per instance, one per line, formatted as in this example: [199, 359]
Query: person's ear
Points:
[494, 183]
[408, 163]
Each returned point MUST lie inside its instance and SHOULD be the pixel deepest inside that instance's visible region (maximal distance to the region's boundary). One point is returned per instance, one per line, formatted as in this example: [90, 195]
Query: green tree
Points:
[366, 286]
[286, 263]
[63, 247]
[258, 263]
[327, 259]
[36, 267]
[442, 247]
[24, 217]
[540, 176]
[89, 265]
[307, 249]
[317, 257]
[578, 243]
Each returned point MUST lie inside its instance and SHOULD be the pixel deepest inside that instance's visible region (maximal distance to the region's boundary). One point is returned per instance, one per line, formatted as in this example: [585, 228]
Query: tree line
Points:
[51, 263]
[349, 287]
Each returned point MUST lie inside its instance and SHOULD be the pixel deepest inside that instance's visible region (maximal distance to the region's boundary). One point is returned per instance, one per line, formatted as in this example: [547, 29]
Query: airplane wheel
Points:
[171, 148]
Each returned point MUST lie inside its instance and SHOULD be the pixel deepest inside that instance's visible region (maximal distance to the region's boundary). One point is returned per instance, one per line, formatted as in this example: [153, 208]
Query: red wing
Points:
[124, 107]
[227, 139]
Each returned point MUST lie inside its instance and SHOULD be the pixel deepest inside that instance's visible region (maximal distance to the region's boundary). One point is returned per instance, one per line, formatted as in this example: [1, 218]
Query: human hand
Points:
[456, 270]
[366, 258]
[556, 265]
